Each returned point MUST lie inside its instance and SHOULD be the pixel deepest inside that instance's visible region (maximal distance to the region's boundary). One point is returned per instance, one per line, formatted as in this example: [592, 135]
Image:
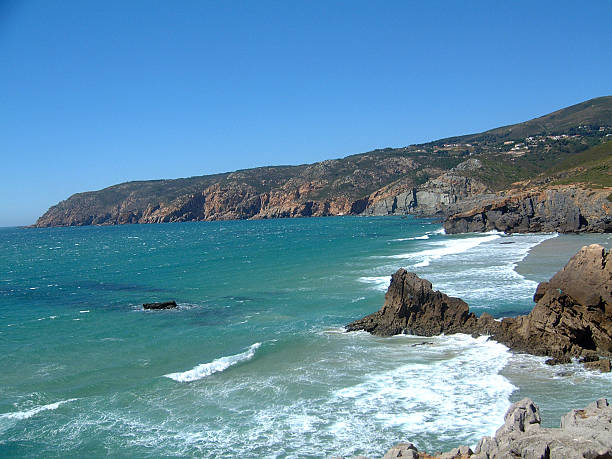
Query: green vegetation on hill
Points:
[591, 167]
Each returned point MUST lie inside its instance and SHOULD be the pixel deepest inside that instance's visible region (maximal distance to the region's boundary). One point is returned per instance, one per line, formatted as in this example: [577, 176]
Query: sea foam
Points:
[221, 364]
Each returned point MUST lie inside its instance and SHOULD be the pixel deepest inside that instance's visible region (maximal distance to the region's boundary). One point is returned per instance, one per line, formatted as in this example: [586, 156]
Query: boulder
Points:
[162, 305]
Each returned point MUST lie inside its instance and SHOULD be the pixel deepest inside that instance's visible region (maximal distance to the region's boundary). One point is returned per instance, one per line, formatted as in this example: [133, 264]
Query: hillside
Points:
[422, 179]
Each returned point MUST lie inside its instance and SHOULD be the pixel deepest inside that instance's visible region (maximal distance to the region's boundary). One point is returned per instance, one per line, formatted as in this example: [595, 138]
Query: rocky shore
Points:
[564, 209]
[572, 317]
[584, 433]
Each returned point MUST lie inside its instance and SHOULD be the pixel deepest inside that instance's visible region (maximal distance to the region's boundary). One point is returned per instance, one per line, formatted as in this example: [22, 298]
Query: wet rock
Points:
[162, 305]
[559, 360]
[602, 365]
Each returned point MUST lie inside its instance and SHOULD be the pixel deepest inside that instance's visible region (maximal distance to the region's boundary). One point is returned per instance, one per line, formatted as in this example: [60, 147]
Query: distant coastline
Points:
[547, 174]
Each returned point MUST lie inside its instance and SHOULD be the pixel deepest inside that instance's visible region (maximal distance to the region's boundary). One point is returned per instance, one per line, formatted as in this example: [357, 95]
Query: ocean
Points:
[254, 362]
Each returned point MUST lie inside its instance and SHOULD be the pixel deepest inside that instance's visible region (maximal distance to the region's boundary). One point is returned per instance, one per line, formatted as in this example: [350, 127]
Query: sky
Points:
[94, 93]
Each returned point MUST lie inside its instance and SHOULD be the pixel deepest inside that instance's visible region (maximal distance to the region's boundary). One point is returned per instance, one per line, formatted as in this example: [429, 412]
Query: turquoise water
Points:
[254, 362]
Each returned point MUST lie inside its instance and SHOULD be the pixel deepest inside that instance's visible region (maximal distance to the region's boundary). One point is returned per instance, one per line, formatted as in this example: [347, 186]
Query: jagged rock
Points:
[565, 209]
[162, 305]
[540, 291]
[572, 318]
[431, 198]
[585, 433]
[412, 307]
[558, 360]
[403, 450]
[602, 365]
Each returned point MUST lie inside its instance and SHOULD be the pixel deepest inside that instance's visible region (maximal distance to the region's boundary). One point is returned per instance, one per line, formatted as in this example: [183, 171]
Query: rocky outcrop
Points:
[413, 307]
[585, 433]
[162, 305]
[572, 316]
[565, 209]
[431, 198]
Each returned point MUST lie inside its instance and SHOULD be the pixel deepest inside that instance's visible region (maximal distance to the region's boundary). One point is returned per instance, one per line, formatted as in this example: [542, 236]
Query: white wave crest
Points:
[19, 415]
[377, 282]
[415, 238]
[447, 247]
[221, 364]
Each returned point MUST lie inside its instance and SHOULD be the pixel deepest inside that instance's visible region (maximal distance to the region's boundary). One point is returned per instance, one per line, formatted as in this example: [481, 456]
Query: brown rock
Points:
[572, 318]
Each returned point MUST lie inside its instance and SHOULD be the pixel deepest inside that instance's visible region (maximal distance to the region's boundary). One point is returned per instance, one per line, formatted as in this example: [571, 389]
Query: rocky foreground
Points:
[585, 433]
[572, 317]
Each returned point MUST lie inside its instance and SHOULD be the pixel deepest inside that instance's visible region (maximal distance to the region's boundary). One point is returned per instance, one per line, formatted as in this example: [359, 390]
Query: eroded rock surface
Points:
[565, 209]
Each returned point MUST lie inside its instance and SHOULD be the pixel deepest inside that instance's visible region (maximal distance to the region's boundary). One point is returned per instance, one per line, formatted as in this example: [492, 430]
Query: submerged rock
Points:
[162, 305]
[572, 317]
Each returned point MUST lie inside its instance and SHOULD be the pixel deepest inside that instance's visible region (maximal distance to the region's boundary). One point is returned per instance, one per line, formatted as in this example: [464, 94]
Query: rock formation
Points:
[432, 197]
[572, 316]
[585, 433]
[565, 209]
[162, 305]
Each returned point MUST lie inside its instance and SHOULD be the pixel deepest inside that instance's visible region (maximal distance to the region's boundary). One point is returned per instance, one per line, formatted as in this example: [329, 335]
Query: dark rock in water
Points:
[585, 433]
[413, 307]
[589, 358]
[162, 305]
[602, 365]
[572, 317]
[559, 360]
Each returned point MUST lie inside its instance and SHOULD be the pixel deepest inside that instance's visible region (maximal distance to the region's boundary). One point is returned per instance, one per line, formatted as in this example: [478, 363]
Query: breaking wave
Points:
[218, 365]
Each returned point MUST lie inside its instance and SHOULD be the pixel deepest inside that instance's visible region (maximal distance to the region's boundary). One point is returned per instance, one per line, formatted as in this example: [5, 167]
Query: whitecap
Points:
[221, 364]
[378, 282]
[415, 238]
[448, 247]
[19, 415]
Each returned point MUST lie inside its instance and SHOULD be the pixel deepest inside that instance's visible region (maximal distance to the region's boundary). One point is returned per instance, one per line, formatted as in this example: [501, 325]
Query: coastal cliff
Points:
[572, 317]
[459, 176]
[564, 209]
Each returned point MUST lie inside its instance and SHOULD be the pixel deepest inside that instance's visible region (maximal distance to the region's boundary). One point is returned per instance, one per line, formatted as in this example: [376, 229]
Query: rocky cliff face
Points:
[584, 433]
[565, 209]
[334, 187]
[572, 316]
[431, 198]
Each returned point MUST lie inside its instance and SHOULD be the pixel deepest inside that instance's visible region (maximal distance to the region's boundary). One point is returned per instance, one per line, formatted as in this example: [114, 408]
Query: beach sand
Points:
[545, 259]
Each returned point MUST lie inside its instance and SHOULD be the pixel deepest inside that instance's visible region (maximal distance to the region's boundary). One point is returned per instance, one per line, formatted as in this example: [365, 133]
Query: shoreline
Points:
[547, 257]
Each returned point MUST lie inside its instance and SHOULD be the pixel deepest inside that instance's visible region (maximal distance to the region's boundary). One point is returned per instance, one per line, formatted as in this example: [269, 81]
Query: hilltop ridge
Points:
[425, 179]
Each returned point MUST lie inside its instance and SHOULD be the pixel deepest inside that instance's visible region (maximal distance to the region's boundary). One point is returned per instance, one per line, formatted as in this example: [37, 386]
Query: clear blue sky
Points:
[96, 93]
